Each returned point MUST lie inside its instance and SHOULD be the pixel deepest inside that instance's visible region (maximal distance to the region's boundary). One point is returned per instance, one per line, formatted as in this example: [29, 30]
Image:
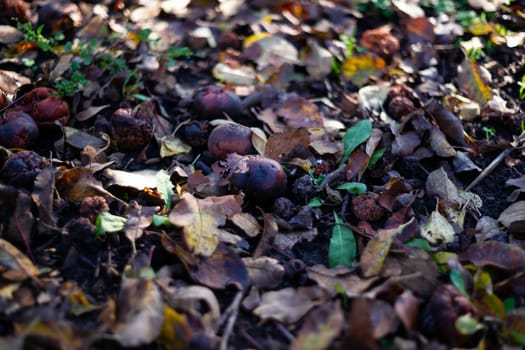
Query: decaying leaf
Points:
[265, 272]
[280, 145]
[140, 312]
[341, 276]
[359, 68]
[498, 254]
[437, 229]
[513, 217]
[176, 333]
[139, 218]
[19, 266]
[78, 183]
[289, 305]
[320, 328]
[474, 79]
[200, 220]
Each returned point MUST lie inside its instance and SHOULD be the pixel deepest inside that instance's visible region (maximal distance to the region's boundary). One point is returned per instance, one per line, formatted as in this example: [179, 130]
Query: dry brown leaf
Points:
[280, 145]
[200, 219]
[19, 265]
[247, 223]
[513, 217]
[289, 305]
[139, 218]
[341, 275]
[320, 328]
[140, 313]
[265, 272]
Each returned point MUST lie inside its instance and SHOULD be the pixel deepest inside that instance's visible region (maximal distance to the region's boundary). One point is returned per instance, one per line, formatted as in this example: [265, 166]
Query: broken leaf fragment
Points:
[18, 264]
[513, 217]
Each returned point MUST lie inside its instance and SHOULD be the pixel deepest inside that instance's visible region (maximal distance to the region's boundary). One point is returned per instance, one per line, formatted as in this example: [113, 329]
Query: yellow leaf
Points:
[200, 220]
[175, 333]
[255, 37]
[473, 80]
[358, 69]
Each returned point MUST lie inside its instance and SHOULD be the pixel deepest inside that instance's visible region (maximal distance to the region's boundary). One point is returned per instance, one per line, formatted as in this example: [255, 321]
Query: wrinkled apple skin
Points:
[230, 138]
[18, 130]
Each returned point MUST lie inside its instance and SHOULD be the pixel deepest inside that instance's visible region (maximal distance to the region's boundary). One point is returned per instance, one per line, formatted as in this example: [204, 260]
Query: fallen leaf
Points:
[340, 277]
[78, 183]
[497, 254]
[440, 145]
[270, 230]
[57, 334]
[474, 79]
[200, 219]
[437, 229]
[375, 253]
[439, 185]
[43, 193]
[280, 145]
[342, 249]
[188, 298]
[265, 272]
[320, 328]
[406, 307]
[359, 68]
[140, 312]
[89, 112]
[266, 49]
[289, 305]
[19, 265]
[513, 217]
[247, 223]
[449, 123]
[317, 59]
[139, 218]
[219, 270]
[171, 145]
[355, 136]
[176, 333]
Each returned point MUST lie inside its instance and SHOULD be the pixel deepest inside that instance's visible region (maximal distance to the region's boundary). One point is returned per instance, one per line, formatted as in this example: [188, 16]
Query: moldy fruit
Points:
[230, 138]
[212, 102]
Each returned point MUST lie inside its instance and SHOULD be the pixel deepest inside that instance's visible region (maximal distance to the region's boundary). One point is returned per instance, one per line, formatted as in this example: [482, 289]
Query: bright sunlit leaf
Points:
[107, 222]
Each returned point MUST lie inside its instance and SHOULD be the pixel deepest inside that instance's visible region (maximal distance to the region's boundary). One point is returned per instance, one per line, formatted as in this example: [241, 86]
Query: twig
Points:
[496, 161]
[233, 310]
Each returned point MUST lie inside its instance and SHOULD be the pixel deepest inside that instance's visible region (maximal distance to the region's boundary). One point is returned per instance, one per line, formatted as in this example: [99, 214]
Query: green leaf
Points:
[342, 249]
[457, 280]
[466, 324]
[165, 187]
[510, 304]
[354, 136]
[353, 187]
[378, 153]
[159, 220]
[419, 243]
[107, 222]
[315, 202]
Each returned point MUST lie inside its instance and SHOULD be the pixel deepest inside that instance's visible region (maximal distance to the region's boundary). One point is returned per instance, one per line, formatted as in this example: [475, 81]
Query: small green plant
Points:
[33, 35]
[489, 132]
[522, 88]
[475, 53]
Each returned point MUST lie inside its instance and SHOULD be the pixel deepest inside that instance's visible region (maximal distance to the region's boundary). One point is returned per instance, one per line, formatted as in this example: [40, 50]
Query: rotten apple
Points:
[45, 106]
[260, 178]
[17, 130]
[230, 138]
[212, 102]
